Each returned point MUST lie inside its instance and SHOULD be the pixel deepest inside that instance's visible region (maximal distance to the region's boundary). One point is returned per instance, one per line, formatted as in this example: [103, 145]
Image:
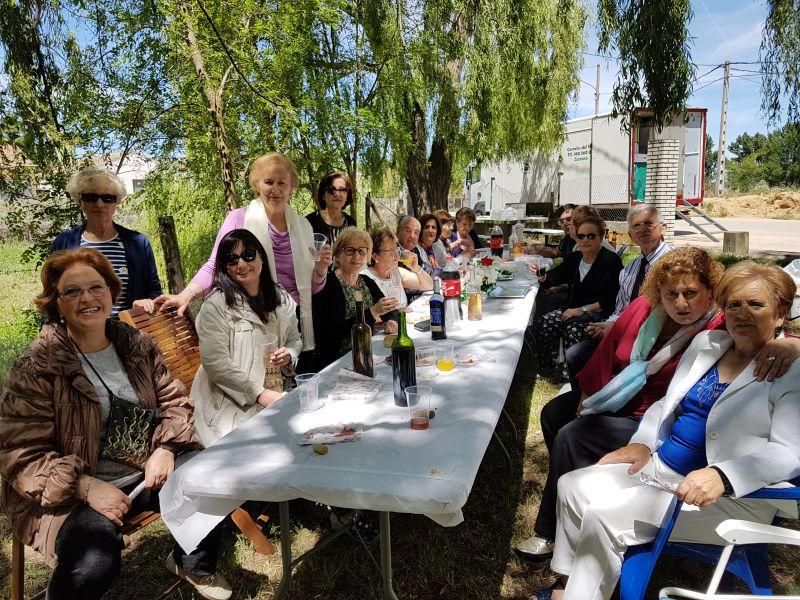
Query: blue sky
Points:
[722, 30]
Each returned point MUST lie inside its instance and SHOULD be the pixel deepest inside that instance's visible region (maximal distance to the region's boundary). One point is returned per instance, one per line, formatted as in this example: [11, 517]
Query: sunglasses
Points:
[335, 190]
[73, 293]
[247, 256]
[105, 198]
[587, 236]
[350, 251]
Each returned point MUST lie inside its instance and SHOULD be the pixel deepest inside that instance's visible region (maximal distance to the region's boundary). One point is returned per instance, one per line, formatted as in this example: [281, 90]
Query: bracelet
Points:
[88, 487]
[728, 491]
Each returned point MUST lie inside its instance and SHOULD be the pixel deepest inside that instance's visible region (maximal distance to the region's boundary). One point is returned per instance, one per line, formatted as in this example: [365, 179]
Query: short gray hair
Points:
[87, 179]
[403, 221]
[642, 208]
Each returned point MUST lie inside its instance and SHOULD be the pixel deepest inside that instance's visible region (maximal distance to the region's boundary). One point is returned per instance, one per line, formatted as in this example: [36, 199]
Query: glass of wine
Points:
[419, 406]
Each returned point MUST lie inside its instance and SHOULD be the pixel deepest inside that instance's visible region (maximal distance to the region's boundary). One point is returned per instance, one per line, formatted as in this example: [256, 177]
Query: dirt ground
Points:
[772, 205]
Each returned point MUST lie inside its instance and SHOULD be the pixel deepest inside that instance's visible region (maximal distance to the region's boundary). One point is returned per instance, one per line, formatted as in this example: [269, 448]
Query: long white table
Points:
[392, 468]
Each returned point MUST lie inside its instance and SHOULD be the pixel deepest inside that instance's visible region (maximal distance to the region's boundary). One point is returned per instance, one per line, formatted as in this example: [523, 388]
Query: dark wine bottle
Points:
[404, 364]
[361, 340]
[438, 325]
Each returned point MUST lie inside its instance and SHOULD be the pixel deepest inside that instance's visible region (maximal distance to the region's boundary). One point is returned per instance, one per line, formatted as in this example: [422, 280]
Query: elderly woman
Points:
[286, 236]
[652, 333]
[592, 275]
[717, 435]
[98, 192]
[385, 272]
[465, 240]
[430, 250]
[335, 305]
[244, 309]
[334, 194]
[68, 456]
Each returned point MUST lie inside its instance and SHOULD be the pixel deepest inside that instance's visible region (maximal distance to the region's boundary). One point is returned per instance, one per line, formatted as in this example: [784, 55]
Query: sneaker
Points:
[212, 587]
[535, 549]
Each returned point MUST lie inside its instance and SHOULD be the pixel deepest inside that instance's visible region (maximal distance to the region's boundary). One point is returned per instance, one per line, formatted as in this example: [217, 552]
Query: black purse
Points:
[129, 430]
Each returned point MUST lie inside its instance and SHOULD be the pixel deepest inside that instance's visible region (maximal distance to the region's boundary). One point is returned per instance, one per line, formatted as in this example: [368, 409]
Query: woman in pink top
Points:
[286, 236]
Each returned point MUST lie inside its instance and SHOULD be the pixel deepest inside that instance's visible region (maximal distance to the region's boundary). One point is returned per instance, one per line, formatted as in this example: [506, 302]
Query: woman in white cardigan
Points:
[717, 435]
[286, 236]
[242, 311]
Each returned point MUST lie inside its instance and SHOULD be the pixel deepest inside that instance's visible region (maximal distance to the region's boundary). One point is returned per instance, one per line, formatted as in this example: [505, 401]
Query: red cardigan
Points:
[614, 354]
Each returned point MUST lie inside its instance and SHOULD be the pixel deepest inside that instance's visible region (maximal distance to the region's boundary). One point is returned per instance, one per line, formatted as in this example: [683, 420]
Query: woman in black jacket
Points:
[334, 307]
[592, 275]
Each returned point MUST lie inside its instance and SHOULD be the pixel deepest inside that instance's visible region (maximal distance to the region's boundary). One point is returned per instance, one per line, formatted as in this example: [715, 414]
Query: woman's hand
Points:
[701, 488]
[383, 306]
[599, 330]
[146, 304]
[467, 244]
[179, 301]
[280, 357]
[159, 466]
[776, 357]
[637, 455]
[108, 500]
[570, 313]
[325, 260]
[390, 327]
[269, 397]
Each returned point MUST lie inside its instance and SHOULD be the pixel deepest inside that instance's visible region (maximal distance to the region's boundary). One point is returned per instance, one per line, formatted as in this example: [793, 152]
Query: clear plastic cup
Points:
[426, 362]
[308, 389]
[273, 378]
[320, 239]
[419, 406]
[445, 356]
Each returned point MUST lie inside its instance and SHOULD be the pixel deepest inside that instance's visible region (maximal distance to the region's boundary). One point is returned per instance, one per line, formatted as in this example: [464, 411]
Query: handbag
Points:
[129, 429]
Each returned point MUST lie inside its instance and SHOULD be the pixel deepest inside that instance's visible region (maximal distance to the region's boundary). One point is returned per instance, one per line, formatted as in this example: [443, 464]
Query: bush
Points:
[15, 336]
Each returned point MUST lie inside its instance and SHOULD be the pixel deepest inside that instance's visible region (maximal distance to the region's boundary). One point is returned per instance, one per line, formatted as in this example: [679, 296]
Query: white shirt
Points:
[391, 286]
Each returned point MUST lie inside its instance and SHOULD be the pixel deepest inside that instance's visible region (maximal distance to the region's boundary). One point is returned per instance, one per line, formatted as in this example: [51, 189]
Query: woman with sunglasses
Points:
[592, 275]
[335, 305]
[334, 194]
[243, 309]
[98, 192]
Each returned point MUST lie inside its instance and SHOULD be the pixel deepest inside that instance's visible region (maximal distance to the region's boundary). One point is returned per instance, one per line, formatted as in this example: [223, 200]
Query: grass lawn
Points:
[19, 283]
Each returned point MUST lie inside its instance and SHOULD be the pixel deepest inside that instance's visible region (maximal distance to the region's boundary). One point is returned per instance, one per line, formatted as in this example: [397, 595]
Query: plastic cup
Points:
[308, 389]
[273, 378]
[406, 257]
[445, 356]
[426, 362]
[419, 406]
[320, 239]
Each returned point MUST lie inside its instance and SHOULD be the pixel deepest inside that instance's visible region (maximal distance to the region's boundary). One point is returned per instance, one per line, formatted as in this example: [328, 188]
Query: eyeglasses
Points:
[106, 198]
[335, 190]
[247, 256]
[350, 251]
[73, 293]
[587, 236]
[393, 250]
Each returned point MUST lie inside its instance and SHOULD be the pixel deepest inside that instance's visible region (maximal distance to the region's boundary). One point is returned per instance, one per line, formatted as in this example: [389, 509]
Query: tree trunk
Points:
[416, 164]
[215, 107]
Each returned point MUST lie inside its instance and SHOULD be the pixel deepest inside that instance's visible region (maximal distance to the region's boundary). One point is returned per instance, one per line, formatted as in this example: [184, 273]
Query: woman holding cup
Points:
[248, 336]
[287, 239]
[384, 270]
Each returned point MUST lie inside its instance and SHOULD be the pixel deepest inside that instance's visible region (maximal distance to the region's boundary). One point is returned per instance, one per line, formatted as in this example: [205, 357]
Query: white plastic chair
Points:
[735, 531]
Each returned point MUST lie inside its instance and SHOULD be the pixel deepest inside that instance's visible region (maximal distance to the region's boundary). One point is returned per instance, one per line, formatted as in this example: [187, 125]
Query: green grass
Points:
[19, 283]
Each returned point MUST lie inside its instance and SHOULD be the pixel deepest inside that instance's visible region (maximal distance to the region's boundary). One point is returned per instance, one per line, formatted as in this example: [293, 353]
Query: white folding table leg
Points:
[386, 556]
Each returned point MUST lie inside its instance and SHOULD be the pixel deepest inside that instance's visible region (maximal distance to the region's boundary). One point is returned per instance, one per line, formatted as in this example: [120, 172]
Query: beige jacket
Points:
[50, 425]
[231, 376]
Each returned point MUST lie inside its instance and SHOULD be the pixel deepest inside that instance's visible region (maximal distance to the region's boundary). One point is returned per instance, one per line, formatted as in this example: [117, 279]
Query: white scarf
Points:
[301, 237]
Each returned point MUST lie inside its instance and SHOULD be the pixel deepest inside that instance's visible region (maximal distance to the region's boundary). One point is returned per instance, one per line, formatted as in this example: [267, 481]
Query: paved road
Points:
[767, 236]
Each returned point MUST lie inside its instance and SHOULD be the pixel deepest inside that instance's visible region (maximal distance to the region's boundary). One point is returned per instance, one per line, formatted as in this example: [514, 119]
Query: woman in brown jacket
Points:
[64, 483]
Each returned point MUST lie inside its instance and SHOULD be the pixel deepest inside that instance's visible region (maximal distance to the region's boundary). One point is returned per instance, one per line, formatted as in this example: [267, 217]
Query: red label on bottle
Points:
[496, 242]
[451, 287]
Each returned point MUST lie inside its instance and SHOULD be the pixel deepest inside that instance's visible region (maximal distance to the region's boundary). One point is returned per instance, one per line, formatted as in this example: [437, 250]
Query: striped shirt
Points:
[627, 278]
[114, 251]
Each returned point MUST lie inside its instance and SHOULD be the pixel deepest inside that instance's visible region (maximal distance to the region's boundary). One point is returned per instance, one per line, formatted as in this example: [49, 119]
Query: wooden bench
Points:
[177, 339]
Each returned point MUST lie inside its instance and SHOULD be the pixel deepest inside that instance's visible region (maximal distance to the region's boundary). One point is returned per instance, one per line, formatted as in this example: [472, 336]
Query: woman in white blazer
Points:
[716, 436]
[243, 310]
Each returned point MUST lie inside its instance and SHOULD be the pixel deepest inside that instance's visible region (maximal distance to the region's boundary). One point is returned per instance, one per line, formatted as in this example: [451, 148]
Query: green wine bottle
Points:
[404, 364]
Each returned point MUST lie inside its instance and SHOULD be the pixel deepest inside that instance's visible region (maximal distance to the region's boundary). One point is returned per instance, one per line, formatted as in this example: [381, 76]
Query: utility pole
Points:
[597, 91]
[723, 130]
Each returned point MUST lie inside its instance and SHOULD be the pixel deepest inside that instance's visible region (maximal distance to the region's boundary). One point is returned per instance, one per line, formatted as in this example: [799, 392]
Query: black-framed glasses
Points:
[334, 190]
[73, 293]
[587, 236]
[105, 198]
[247, 256]
[351, 251]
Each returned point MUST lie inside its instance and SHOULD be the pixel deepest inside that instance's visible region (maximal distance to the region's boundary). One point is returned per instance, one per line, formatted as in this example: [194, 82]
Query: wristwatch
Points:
[585, 310]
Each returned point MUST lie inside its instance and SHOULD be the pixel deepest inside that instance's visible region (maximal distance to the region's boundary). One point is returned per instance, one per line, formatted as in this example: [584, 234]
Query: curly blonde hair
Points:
[679, 262]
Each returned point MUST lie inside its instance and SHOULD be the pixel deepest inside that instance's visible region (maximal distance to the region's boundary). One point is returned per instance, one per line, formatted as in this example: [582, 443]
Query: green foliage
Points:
[747, 144]
[773, 159]
[780, 61]
[710, 166]
[652, 39]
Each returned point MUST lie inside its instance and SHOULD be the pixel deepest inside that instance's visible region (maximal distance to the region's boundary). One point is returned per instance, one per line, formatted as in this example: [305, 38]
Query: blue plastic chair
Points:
[749, 563]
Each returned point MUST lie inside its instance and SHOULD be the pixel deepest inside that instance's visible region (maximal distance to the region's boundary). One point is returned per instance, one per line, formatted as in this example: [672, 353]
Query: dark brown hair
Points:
[55, 266]
[428, 217]
[326, 182]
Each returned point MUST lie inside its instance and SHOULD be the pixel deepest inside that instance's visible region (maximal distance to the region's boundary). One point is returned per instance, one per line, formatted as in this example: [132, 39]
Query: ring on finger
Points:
[771, 358]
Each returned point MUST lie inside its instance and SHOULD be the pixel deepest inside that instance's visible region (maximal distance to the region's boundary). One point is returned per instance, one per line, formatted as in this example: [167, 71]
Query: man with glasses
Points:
[567, 243]
[647, 228]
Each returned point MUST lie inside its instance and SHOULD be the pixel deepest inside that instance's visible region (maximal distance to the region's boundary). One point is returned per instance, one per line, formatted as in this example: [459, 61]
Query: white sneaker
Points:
[213, 587]
[535, 548]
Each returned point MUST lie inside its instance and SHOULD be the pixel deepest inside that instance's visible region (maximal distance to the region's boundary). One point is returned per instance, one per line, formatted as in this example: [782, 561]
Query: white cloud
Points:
[745, 44]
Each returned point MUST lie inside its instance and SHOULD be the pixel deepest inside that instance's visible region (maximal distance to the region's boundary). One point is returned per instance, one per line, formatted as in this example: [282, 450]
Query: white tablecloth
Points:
[391, 468]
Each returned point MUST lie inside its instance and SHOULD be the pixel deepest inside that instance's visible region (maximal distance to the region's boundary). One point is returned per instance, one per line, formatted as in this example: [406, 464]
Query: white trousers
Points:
[602, 510]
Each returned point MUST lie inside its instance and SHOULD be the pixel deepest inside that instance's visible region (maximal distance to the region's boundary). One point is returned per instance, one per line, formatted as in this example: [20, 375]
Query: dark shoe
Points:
[547, 593]
[535, 549]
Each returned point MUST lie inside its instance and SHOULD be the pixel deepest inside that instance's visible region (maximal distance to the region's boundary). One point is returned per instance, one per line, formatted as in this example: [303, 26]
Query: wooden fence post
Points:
[172, 254]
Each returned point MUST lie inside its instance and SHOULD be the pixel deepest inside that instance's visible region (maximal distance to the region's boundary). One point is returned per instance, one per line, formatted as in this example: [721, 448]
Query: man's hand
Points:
[637, 455]
[159, 466]
[599, 330]
[701, 488]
